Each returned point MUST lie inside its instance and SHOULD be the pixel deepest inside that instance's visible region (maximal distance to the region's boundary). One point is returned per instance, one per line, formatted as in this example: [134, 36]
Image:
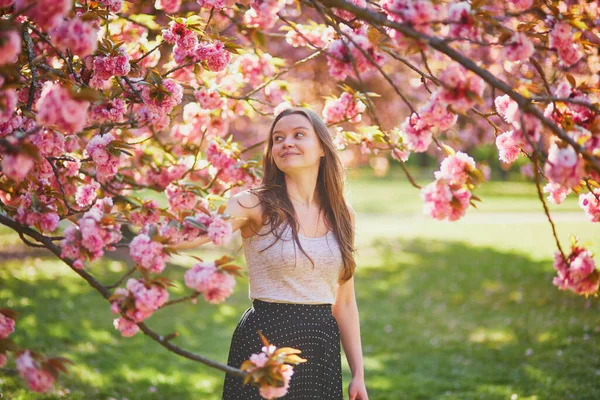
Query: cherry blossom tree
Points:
[101, 101]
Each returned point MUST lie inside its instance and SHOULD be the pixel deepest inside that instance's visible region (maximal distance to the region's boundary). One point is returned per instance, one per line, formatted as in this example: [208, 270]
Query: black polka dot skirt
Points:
[310, 328]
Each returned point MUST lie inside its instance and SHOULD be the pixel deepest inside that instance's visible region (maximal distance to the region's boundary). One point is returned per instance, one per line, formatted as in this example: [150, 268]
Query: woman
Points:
[307, 300]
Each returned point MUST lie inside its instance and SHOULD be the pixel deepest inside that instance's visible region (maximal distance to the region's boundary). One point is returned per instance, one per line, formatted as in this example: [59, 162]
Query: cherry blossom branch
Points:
[103, 290]
[546, 211]
[30, 58]
[125, 276]
[438, 44]
[149, 52]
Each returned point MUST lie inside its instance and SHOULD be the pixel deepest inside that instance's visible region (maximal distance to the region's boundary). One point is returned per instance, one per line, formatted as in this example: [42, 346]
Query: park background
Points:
[449, 310]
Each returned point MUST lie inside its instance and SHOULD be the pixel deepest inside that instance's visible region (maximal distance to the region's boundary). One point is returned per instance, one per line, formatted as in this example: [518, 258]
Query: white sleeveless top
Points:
[273, 276]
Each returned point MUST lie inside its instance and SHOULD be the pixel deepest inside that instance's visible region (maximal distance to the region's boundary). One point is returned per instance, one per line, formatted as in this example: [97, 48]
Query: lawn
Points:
[460, 310]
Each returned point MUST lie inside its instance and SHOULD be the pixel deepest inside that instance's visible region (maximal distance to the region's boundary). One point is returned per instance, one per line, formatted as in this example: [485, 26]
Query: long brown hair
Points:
[278, 209]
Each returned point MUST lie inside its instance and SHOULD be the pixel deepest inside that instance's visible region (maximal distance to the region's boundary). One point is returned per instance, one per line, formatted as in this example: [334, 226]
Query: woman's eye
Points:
[299, 133]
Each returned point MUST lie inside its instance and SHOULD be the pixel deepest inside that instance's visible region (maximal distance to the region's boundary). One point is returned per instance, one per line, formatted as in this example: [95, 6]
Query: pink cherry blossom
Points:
[107, 164]
[46, 13]
[416, 134]
[342, 49]
[520, 5]
[111, 111]
[591, 205]
[346, 107]
[220, 231]
[214, 284]
[303, 35]
[456, 168]
[57, 108]
[86, 194]
[148, 253]
[169, 6]
[49, 142]
[507, 108]
[564, 166]
[556, 193]
[16, 166]
[209, 99]
[180, 199]
[146, 214]
[39, 380]
[113, 5]
[126, 327]
[81, 37]
[272, 392]
[8, 102]
[442, 202]
[7, 326]
[518, 48]
[105, 67]
[210, 4]
[508, 146]
[561, 39]
[461, 87]
[436, 114]
[578, 272]
[10, 47]
[463, 25]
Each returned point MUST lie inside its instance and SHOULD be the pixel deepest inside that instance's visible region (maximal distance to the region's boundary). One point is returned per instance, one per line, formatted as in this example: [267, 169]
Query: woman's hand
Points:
[357, 390]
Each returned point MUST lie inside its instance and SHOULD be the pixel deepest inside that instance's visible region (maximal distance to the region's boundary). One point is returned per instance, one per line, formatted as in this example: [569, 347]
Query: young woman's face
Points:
[296, 144]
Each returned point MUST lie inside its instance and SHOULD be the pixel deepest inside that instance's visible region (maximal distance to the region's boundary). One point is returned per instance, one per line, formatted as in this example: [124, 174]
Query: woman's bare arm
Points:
[240, 217]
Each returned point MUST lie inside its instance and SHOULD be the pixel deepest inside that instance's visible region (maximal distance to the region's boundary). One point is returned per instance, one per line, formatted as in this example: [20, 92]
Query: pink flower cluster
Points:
[172, 98]
[346, 107]
[262, 14]
[463, 22]
[8, 102]
[564, 166]
[578, 272]
[184, 39]
[81, 37]
[10, 47]
[209, 99]
[113, 5]
[216, 285]
[591, 205]
[46, 13]
[43, 217]
[49, 142]
[216, 4]
[255, 68]
[520, 5]
[511, 142]
[169, 6]
[96, 230]
[105, 67]
[418, 13]
[561, 38]
[85, 195]
[314, 35]
[260, 361]
[107, 164]
[215, 55]
[448, 197]
[137, 302]
[180, 200]
[148, 213]
[16, 165]
[556, 193]
[7, 326]
[580, 114]
[461, 88]
[148, 253]
[38, 380]
[518, 48]
[111, 111]
[219, 231]
[57, 108]
[342, 49]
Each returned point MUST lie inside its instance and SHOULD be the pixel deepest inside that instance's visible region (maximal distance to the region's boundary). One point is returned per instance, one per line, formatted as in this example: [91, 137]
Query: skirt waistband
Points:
[275, 306]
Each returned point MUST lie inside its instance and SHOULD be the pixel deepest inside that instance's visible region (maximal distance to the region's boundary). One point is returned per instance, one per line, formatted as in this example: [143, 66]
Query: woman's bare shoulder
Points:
[245, 204]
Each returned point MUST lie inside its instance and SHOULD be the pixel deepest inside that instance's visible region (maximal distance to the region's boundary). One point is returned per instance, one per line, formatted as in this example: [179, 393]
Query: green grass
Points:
[461, 310]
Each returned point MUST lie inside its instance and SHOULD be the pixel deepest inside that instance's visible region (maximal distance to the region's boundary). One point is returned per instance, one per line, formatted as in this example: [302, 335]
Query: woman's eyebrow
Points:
[296, 128]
